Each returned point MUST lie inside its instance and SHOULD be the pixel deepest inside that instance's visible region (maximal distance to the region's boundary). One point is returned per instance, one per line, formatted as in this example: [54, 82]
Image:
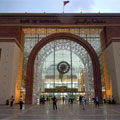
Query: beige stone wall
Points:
[8, 70]
[113, 63]
[107, 79]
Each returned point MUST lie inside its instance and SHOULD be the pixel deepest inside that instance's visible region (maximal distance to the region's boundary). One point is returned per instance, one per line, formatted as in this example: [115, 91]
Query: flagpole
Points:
[64, 3]
[63, 6]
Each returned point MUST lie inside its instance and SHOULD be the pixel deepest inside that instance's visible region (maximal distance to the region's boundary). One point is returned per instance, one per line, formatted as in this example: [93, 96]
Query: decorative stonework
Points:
[68, 36]
[35, 35]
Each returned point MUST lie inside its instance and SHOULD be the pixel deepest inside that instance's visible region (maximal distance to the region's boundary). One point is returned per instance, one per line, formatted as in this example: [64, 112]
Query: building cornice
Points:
[11, 39]
[114, 39]
[59, 14]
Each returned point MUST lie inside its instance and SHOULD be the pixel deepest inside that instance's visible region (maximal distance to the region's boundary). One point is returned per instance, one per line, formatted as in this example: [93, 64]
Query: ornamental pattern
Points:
[33, 36]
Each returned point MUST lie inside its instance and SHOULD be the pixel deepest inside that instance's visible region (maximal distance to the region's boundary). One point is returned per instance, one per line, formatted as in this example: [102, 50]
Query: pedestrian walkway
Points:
[64, 112]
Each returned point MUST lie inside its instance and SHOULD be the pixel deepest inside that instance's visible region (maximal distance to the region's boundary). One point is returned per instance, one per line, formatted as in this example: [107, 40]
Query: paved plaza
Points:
[64, 112]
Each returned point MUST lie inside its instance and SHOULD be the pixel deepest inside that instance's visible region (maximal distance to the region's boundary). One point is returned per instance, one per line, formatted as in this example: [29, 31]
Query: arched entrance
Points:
[67, 36]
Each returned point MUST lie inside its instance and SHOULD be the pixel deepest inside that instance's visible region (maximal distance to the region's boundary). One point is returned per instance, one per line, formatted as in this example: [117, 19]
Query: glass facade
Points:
[46, 75]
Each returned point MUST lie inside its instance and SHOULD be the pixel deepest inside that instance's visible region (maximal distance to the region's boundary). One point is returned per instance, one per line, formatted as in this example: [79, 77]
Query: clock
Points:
[63, 67]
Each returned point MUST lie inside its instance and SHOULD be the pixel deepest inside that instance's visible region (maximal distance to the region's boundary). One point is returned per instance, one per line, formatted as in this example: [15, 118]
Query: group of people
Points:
[111, 100]
[11, 102]
[67, 99]
[42, 99]
[82, 100]
[54, 99]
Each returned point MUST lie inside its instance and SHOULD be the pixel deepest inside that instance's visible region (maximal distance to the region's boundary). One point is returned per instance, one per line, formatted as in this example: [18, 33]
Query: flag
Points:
[65, 2]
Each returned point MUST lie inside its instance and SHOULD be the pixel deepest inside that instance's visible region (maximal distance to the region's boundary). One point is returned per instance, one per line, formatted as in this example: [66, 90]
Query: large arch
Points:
[57, 36]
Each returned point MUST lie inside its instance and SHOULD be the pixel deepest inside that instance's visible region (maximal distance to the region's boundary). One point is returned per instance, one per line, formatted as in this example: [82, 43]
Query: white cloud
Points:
[56, 6]
[81, 5]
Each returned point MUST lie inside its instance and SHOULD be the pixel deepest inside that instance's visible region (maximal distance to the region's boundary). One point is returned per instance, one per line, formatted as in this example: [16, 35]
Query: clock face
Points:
[63, 67]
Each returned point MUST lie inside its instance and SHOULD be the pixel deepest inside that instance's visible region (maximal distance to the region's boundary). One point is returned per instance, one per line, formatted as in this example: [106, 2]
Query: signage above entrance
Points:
[87, 21]
[62, 89]
[79, 21]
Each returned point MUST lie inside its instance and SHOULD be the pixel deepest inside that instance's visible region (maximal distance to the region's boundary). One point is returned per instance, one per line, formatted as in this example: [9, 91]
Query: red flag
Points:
[65, 2]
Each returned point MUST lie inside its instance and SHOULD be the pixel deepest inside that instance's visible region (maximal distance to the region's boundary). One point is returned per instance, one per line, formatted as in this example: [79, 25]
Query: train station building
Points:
[59, 54]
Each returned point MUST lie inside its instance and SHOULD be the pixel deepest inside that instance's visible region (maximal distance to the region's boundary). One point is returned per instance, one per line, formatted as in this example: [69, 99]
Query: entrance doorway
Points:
[65, 68]
[63, 43]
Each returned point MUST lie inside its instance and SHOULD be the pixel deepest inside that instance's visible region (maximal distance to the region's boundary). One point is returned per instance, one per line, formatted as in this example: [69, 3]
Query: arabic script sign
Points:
[65, 21]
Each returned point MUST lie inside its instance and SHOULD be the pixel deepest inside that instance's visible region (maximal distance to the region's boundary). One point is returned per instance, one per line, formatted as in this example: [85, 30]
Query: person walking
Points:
[71, 99]
[80, 99]
[40, 100]
[66, 99]
[11, 101]
[109, 99]
[97, 102]
[54, 103]
[104, 99]
[21, 104]
[43, 99]
[63, 99]
[83, 102]
[113, 101]
[7, 102]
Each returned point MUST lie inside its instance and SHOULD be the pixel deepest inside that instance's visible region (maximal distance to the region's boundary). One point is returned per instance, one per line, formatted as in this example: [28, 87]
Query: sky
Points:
[56, 6]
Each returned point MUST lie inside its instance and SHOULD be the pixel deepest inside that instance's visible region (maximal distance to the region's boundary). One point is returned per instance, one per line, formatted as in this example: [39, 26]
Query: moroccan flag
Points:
[65, 2]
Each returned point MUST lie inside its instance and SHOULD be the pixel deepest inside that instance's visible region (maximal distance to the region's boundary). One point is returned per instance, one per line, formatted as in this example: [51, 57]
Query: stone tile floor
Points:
[64, 112]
